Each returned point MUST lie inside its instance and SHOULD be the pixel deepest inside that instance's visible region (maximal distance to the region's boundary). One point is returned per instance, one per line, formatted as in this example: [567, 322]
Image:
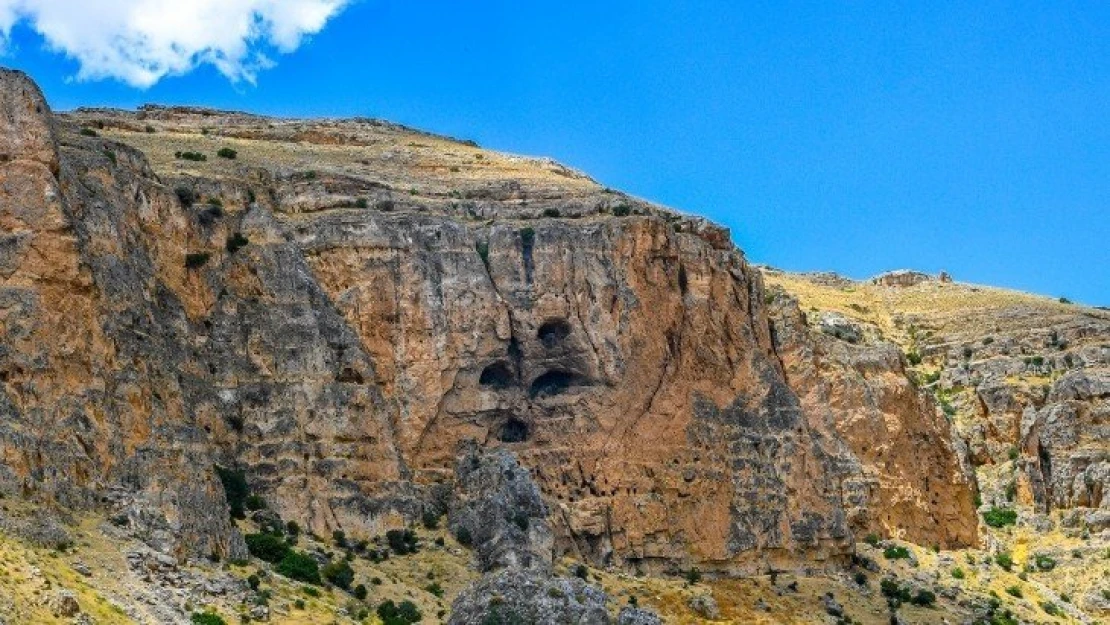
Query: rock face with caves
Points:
[345, 306]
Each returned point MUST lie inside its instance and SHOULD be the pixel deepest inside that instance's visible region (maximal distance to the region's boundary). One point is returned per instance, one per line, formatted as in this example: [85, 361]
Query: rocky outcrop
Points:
[340, 333]
[1064, 444]
[899, 469]
[499, 508]
[514, 596]
[91, 393]
[902, 278]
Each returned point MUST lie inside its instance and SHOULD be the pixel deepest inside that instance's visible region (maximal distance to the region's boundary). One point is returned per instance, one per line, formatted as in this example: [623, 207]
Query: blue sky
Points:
[854, 137]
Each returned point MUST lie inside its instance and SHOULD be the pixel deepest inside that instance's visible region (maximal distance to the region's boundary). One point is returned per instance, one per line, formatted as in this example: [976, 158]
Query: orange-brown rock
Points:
[349, 303]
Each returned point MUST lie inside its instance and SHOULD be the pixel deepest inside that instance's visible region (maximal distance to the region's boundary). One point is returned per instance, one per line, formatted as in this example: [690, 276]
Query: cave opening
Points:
[553, 332]
[349, 376]
[513, 431]
[497, 375]
[554, 383]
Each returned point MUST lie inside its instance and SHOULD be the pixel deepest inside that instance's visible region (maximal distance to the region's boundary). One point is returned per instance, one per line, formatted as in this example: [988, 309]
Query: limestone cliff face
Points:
[93, 405]
[348, 304]
[899, 460]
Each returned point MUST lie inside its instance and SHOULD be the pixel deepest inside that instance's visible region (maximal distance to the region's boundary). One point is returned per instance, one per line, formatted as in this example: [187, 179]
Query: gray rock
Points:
[499, 505]
[705, 606]
[65, 604]
[518, 596]
[637, 616]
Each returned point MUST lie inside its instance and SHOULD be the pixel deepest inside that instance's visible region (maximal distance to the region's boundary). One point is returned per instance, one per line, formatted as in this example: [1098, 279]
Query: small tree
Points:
[299, 566]
[340, 574]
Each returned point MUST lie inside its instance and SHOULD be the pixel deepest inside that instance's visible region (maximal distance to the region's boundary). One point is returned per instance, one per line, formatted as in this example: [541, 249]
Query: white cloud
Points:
[141, 41]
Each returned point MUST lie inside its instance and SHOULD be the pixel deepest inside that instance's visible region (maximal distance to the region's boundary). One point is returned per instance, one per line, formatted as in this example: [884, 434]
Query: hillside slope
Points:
[335, 316]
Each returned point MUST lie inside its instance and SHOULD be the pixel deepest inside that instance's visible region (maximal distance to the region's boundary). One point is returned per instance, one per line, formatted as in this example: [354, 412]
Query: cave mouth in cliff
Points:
[513, 431]
[349, 375]
[497, 375]
[553, 331]
[555, 382]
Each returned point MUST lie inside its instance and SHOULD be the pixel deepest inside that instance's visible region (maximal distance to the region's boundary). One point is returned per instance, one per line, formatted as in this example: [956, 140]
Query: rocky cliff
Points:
[336, 308]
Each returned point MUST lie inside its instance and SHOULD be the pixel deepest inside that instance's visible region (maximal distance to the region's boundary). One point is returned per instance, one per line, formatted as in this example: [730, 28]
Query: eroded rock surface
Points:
[349, 304]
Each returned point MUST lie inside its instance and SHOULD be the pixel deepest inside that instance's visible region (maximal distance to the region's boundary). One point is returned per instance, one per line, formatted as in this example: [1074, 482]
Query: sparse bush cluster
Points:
[1000, 517]
[235, 490]
[207, 618]
[196, 260]
[190, 156]
[399, 614]
[1004, 560]
[402, 542]
[236, 242]
[896, 552]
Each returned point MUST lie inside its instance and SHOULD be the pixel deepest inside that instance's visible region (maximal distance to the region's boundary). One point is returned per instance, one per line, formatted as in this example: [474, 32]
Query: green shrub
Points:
[527, 236]
[361, 203]
[914, 358]
[403, 614]
[924, 598]
[255, 502]
[1051, 609]
[196, 260]
[896, 552]
[1064, 300]
[958, 573]
[89, 132]
[1044, 562]
[340, 574]
[191, 156]
[340, 538]
[1000, 517]
[860, 578]
[622, 210]
[551, 212]
[430, 519]
[299, 604]
[299, 566]
[1013, 591]
[292, 528]
[236, 242]
[310, 591]
[402, 541]
[360, 592]
[693, 576]
[235, 490]
[1004, 560]
[463, 536]
[894, 592]
[267, 547]
[872, 539]
[227, 153]
[435, 589]
[207, 618]
[253, 582]
[581, 572]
